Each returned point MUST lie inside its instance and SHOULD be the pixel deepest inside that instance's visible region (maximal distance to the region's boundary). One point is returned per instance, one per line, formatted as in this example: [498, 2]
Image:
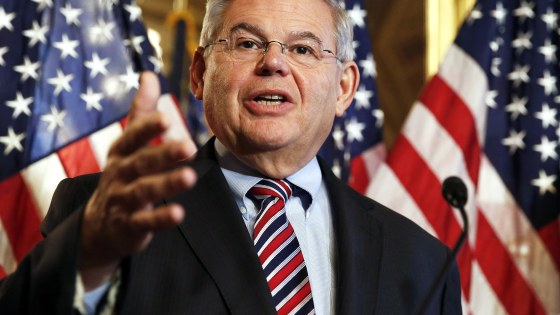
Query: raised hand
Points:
[121, 217]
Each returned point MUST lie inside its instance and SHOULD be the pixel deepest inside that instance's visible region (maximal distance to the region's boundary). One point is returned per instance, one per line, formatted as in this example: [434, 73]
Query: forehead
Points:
[281, 17]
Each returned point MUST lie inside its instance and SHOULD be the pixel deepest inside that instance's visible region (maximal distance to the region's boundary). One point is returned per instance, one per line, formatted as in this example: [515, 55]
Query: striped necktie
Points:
[278, 249]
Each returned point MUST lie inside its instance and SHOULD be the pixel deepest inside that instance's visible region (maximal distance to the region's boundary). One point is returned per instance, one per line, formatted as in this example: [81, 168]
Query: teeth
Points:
[269, 99]
[272, 97]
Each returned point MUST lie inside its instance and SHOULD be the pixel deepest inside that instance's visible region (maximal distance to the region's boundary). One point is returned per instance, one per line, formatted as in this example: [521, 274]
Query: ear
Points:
[349, 81]
[198, 66]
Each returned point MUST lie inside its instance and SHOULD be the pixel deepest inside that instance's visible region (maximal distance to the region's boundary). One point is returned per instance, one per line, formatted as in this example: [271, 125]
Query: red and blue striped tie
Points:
[278, 249]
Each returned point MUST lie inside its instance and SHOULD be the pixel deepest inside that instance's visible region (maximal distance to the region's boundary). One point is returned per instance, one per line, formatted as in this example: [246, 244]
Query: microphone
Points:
[455, 193]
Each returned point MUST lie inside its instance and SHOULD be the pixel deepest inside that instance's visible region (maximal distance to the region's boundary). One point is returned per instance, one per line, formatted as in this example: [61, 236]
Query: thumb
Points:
[146, 98]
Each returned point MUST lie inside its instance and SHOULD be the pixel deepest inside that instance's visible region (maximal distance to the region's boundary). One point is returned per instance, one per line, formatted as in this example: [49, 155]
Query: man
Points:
[154, 236]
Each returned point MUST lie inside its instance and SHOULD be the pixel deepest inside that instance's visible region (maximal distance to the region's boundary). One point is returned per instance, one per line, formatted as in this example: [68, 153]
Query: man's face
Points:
[269, 105]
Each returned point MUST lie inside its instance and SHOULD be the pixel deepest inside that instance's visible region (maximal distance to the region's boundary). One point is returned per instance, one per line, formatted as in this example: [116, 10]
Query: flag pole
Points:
[180, 21]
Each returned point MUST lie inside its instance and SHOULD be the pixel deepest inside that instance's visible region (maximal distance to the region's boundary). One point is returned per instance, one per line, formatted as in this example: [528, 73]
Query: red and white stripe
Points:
[292, 304]
[26, 196]
[507, 267]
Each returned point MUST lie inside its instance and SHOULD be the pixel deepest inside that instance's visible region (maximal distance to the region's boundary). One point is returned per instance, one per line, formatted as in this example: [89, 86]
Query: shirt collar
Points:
[241, 177]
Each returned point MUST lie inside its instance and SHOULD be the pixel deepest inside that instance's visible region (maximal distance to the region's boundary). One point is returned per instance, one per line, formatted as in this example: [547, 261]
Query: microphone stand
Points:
[459, 204]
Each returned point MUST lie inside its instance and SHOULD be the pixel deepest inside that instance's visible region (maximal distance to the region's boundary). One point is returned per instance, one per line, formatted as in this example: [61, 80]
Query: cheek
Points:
[321, 95]
[220, 99]
[214, 106]
[215, 92]
[321, 99]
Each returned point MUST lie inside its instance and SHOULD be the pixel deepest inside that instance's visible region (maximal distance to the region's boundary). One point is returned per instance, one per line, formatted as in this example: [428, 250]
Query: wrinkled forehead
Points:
[276, 19]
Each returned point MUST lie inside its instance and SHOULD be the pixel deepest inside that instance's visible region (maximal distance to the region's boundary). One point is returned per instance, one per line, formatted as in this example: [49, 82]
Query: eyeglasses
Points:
[303, 52]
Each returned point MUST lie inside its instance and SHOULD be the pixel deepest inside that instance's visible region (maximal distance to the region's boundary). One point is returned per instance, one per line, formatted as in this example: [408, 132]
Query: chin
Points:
[266, 142]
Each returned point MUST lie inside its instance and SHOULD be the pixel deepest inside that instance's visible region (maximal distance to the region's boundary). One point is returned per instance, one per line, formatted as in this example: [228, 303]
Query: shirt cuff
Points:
[87, 302]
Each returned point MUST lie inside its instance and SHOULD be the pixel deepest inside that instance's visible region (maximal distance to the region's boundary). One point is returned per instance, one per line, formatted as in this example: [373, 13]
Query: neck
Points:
[276, 164]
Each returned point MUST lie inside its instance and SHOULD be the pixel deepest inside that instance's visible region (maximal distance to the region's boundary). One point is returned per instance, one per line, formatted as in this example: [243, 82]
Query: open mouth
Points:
[270, 99]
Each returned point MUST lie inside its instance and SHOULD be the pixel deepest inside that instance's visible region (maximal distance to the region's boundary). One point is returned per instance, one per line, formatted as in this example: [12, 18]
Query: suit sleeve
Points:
[44, 282]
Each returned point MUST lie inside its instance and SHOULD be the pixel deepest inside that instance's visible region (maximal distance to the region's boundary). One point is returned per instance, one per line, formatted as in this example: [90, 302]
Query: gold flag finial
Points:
[443, 19]
[181, 13]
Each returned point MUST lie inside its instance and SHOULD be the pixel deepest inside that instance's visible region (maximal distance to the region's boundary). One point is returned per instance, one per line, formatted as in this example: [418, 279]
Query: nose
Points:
[280, 44]
[273, 60]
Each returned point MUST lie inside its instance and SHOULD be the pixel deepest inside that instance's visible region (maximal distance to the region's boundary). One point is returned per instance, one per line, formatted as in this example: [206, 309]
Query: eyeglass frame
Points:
[266, 45]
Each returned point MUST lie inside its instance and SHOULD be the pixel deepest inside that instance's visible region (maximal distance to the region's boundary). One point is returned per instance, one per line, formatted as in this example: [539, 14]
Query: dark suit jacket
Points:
[384, 263]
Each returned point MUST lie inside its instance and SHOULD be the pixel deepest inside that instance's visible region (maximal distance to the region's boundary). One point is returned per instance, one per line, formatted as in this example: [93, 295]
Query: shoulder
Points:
[389, 219]
[395, 227]
[407, 248]
[87, 182]
[70, 195]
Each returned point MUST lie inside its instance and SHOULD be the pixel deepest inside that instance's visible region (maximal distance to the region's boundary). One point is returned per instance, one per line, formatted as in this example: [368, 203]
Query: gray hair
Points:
[343, 35]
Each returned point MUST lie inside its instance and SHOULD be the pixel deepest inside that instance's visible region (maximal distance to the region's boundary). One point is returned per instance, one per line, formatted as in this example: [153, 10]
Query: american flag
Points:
[355, 147]
[68, 72]
[490, 116]
[196, 121]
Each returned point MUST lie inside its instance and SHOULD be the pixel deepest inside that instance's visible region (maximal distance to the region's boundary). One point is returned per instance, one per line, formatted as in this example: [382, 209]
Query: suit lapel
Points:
[214, 229]
[358, 248]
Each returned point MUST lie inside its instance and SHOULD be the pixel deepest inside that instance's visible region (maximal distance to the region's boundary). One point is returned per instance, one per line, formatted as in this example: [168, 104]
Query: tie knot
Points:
[270, 188]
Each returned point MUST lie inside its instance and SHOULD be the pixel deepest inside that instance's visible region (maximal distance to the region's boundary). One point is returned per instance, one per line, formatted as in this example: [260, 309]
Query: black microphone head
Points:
[454, 191]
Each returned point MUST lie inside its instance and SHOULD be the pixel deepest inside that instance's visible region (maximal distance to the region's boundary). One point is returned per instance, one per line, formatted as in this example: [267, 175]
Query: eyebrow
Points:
[247, 27]
[260, 32]
[307, 35]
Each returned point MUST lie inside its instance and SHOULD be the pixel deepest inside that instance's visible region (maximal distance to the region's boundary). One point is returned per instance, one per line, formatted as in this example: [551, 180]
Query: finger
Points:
[153, 188]
[146, 98]
[153, 159]
[139, 133]
[157, 219]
